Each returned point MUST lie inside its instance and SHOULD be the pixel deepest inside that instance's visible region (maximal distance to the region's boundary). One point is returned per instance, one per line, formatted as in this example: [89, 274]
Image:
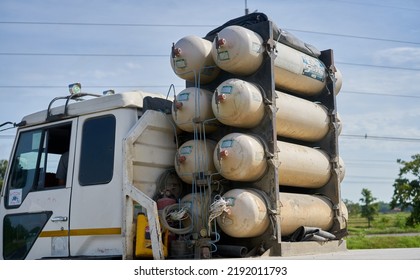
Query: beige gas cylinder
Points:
[191, 60]
[196, 203]
[302, 166]
[194, 156]
[239, 103]
[344, 211]
[339, 124]
[191, 108]
[240, 157]
[338, 80]
[304, 210]
[300, 119]
[342, 168]
[246, 215]
[240, 51]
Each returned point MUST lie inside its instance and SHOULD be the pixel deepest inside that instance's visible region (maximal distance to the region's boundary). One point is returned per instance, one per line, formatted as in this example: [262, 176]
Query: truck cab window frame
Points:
[35, 162]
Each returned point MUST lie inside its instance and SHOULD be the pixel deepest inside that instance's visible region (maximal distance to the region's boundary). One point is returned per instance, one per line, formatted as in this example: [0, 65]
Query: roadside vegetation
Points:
[387, 230]
[375, 225]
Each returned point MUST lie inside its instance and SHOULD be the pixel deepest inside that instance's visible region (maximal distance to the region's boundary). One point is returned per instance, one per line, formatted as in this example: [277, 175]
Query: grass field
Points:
[391, 226]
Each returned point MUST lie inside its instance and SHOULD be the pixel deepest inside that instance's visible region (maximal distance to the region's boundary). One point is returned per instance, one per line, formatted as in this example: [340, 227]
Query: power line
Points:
[167, 55]
[83, 54]
[380, 94]
[365, 182]
[199, 26]
[354, 36]
[384, 138]
[378, 66]
[166, 86]
[369, 161]
[104, 24]
[376, 5]
[369, 177]
[86, 86]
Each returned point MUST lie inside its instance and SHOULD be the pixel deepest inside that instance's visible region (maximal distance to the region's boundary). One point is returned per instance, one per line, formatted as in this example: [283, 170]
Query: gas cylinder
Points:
[192, 109]
[302, 166]
[194, 157]
[240, 51]
[338, 80]
[246, 216]
[191, 60]
[342, 168]
[304, 210]
[300, 119]
[241, 157]
[197, 203]
[339, 124]
[239, 103]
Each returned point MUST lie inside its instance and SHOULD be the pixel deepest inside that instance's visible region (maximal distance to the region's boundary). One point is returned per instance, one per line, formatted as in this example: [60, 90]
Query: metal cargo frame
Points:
[271, 242]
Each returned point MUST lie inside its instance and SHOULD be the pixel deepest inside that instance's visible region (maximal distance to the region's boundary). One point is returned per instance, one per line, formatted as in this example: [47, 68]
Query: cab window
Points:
[97, 151]
[35, 163]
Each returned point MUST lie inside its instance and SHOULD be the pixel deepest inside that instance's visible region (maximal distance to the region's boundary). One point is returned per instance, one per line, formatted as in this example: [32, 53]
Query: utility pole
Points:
[246, 7]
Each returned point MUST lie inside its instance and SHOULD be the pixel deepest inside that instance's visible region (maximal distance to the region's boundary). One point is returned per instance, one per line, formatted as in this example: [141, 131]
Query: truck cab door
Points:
[35, 203]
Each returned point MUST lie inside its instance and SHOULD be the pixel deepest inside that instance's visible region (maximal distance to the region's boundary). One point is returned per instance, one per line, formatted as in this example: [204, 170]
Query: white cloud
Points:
[402, 56]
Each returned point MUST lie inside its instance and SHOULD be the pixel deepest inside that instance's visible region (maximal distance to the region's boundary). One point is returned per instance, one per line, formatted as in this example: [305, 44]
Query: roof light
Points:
[75, 88]
[109, 92]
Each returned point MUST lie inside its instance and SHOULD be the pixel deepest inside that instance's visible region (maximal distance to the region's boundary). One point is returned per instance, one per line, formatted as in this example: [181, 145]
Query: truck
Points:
[243, 162]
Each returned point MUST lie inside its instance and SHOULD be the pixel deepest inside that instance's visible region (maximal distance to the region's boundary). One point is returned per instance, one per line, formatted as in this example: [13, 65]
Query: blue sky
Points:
[125, 45]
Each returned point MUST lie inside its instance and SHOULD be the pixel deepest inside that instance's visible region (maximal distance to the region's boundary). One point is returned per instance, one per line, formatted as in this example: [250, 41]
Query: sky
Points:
[125, 44]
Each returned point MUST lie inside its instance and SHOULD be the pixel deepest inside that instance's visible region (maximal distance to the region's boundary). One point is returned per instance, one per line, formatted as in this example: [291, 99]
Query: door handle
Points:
[59, 219]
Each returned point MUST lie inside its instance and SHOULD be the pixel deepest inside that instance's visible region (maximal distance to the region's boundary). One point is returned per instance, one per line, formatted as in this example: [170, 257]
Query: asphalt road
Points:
[366, 254]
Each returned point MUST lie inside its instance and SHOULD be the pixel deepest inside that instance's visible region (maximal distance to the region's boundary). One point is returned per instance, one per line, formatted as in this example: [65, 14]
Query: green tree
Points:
[3, 166]
[369, 208]
[407, 189]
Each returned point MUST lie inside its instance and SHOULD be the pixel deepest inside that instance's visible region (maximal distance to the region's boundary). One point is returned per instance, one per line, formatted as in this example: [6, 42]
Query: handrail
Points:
[67, 98]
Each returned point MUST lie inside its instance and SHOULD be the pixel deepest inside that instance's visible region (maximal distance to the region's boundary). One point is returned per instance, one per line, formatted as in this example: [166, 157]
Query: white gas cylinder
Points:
[240, 51]
[246, 214]
[304, 210]
[300, 119]
[193, 157]
[302, 166]
[239, 103]
[342, 168]
[196, 204]
[192, 109]
[241, 157]
[338, 80]
[191, 60]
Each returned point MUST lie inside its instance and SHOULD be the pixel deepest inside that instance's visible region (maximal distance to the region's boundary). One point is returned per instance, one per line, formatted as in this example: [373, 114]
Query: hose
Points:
[176, 212]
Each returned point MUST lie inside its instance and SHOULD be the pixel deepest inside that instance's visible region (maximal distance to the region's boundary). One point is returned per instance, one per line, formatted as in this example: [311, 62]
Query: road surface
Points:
[366, 254]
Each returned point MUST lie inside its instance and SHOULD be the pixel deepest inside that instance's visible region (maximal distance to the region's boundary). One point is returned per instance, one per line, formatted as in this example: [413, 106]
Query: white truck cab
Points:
[44, 216]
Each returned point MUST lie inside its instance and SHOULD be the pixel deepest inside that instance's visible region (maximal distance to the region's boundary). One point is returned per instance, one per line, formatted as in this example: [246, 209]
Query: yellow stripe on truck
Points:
[81, 232]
